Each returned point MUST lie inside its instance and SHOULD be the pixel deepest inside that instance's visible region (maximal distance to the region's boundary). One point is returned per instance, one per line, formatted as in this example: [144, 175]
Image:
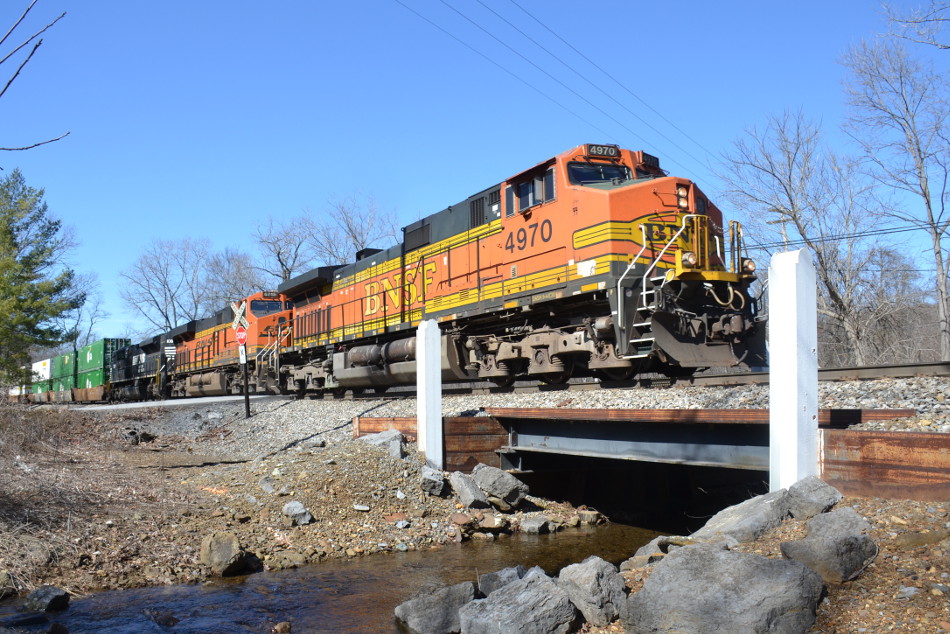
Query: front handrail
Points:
[646, 275]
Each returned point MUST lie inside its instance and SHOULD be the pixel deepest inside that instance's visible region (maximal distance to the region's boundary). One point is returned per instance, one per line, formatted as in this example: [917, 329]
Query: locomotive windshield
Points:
[587, 173]
[262, 307]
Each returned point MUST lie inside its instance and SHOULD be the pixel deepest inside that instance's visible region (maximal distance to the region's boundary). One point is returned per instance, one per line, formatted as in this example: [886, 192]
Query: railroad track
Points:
[895, 371]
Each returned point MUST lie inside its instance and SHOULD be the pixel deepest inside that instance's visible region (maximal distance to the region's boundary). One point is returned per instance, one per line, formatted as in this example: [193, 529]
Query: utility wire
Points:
[509, 72]
[834, 238]
[585, 78]
[549, 75]
[614, 79]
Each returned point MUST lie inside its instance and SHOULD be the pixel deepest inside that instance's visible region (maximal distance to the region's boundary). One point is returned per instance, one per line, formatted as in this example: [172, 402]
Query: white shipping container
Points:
[42, 370]
[17, 391]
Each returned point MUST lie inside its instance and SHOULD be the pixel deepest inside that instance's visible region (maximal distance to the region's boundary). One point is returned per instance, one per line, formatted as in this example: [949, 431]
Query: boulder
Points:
[436, 612]
[469, 493]
[705, 590]
[506, 490]
[222, 552]
[843, 521]
[433, 482]
[47, 599]
[836, 559]
[392, 441]
[655, 550]
[532, 604]
[296, 514]
[747, 520]
[596, 588]
[810, 496]
[535, 525]
[837, 546]
[7, 586]
[491, 581]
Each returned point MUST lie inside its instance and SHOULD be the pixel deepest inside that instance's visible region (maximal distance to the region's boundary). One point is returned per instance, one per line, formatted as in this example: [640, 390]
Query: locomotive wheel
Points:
[561, 377]
[503, 381]
[617, 374]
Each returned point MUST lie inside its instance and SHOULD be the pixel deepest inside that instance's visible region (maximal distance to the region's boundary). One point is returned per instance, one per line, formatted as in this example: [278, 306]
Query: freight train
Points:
[593, 262]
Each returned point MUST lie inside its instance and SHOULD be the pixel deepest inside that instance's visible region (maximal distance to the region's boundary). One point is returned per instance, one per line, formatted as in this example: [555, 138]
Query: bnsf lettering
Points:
[659, 232]
[528, 236]
[402, 289]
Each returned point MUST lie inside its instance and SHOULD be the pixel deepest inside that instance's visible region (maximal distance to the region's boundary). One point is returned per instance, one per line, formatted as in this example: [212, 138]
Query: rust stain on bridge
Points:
[904, 465]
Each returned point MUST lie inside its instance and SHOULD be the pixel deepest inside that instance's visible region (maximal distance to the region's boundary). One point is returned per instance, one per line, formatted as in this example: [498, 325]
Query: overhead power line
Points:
[614, 79]
[501, 67]
[584, 77]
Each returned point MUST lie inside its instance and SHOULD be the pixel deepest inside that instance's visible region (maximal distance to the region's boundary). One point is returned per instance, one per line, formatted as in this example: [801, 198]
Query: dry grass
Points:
[54, 478]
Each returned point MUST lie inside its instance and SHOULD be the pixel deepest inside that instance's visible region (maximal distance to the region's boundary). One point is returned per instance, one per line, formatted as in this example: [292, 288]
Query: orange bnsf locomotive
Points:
[593, 262]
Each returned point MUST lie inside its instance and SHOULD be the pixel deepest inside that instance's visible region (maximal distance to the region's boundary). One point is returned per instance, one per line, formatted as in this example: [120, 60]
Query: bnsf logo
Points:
[402, 289]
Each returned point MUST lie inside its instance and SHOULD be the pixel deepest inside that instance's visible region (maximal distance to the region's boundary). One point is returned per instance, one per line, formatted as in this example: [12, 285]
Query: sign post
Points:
[240, 334]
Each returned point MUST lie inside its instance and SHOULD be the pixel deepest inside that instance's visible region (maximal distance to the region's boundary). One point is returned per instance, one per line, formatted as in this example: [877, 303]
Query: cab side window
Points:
[530, 192]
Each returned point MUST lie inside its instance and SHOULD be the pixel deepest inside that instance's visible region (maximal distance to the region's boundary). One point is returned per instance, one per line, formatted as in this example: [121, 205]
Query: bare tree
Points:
[164, 284]
[285, 248]
[229, 275]
[899, 117]
[794, 191]
[923, 25]
[11, 55]
[349, 226]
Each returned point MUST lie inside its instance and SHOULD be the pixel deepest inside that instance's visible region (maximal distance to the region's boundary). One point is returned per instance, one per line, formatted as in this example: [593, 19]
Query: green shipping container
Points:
[91, 378]
[64, 384]
[41, 387]
[98, 355]
[64, 365]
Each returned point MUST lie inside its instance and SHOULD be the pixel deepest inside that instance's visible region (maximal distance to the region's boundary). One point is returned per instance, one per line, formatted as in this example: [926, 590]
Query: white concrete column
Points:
[429, 391]
[793, 369]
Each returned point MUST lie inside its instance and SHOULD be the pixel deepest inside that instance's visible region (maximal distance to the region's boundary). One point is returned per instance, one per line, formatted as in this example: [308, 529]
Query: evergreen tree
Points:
[35, 286]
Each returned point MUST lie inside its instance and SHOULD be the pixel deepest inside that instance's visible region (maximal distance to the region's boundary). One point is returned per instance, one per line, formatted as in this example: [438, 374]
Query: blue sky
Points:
[202, 119]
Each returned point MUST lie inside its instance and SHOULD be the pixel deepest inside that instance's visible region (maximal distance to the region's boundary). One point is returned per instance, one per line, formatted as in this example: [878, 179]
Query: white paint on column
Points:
[429, 391]
[793, 369]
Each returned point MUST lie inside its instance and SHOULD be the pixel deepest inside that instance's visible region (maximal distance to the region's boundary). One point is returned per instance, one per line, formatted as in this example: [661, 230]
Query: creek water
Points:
[357, 595]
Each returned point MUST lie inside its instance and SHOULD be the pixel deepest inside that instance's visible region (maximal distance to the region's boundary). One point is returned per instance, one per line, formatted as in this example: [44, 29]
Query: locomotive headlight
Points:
[688, 259]
[682, 196]
[748, 265]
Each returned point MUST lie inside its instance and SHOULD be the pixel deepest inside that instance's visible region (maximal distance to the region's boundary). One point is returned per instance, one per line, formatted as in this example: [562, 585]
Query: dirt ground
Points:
[83, 509]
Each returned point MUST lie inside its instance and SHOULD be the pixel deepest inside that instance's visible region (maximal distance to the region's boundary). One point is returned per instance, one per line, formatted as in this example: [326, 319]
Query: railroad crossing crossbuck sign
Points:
[239, 318]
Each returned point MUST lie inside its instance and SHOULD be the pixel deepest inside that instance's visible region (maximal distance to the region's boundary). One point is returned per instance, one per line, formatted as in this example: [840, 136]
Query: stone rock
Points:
[222, 552]
[836, 547]
[836, 559]
[492, 522]
[534, 525]
[392, 441]
[469, 493]
[7, 586]
[810, 496]
[491, 581]
[655, 550]
[843, 521]
[297, 513]
[595, 588]
[909, 541]
[436, 612]
[433, 482]
[531, 604]
[704, 590]
[501, 485]
[747, 520]
[47, 599]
